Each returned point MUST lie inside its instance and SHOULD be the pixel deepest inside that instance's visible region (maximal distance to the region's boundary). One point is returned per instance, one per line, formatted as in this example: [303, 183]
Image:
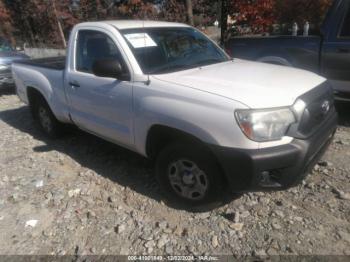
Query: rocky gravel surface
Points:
[80, 195]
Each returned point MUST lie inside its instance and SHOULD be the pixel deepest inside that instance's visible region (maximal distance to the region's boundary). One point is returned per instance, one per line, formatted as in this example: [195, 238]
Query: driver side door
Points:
[100, 105]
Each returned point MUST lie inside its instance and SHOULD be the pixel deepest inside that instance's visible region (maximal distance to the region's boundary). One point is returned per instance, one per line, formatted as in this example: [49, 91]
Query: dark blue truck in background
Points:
[327, 54]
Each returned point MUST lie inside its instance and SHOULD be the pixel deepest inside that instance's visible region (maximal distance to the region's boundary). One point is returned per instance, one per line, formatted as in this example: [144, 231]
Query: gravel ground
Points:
[80, 195]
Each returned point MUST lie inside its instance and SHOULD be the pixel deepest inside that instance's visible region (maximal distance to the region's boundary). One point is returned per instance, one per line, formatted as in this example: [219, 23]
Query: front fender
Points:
[208, 117]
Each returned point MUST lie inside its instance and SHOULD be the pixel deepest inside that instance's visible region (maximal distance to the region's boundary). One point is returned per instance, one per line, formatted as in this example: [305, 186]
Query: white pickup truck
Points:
[167, 92]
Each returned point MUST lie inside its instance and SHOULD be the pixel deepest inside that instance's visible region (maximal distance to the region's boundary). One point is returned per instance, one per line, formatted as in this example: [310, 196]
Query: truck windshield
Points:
[166, 50]
[4, 45]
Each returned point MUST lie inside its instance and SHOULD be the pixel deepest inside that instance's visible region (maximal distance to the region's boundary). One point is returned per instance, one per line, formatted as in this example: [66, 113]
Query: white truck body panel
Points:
[102, 106]
[49, 82]
[239, 79]
[200, 101]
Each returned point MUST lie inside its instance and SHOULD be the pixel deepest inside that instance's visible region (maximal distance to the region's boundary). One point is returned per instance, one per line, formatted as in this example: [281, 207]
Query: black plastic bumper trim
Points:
[292, 162]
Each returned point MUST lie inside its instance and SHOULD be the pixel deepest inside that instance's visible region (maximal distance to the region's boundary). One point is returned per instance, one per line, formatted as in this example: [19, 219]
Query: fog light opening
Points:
[269, 179]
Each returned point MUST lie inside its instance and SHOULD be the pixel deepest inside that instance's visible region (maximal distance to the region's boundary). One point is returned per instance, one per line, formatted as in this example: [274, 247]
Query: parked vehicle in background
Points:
[327, 54]
[167, 92]
[7, 56]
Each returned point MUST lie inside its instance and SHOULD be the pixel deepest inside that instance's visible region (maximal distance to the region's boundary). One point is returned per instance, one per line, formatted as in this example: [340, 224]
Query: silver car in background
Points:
[7, 56]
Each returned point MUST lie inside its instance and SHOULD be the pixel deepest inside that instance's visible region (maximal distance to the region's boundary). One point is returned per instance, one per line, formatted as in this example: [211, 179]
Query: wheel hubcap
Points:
[45, 119]
[188, 180]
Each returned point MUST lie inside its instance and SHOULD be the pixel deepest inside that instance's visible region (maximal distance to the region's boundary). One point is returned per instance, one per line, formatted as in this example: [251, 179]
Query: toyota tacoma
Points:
[169, 93]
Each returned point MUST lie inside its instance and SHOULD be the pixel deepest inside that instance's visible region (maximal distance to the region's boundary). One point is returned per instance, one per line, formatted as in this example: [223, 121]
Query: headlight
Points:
[265, 125]
[4, 67]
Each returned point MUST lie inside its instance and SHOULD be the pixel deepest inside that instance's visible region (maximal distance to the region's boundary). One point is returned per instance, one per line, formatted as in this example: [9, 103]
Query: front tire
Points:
[190, 176]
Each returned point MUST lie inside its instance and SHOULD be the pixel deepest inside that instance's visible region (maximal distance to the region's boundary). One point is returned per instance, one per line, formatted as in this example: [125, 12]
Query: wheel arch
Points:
[33, 95]
[159, 136]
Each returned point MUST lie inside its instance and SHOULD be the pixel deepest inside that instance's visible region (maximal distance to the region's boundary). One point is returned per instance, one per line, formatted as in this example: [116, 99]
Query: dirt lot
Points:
[81, 195]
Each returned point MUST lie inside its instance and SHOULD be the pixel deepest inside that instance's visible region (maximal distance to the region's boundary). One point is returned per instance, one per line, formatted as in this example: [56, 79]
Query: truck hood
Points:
[256, 85]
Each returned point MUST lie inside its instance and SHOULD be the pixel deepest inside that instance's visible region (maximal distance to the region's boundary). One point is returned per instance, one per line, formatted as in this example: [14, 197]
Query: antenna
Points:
[148, 82]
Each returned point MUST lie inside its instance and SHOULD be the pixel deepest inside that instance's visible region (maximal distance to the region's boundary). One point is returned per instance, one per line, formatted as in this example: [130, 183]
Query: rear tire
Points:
[190, 177]
[45, 119]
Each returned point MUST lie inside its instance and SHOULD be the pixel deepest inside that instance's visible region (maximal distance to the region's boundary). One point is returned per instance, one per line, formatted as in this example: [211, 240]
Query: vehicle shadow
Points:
[343, 109]
[121, 166]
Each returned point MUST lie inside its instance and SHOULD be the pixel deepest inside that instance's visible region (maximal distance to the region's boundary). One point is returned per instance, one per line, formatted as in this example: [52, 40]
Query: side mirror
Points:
[108, 68]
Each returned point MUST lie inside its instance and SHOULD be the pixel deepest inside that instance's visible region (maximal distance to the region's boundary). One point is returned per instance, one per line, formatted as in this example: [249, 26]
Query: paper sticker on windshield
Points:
[140, 40]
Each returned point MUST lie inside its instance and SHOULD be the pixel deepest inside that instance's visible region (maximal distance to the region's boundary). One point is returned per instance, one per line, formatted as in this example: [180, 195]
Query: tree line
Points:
[48, 22]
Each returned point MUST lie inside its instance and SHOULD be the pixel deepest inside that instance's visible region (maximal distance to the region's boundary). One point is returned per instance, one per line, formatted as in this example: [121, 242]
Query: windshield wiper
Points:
[209, 62]
[171, 68]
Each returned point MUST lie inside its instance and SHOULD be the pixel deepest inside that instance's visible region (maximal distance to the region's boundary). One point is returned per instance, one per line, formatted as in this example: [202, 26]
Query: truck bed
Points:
[44, 73]
[56, 63]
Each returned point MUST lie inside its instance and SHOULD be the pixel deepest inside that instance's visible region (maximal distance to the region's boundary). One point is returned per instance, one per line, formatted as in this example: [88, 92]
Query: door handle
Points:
[74, 84]
[343, 50]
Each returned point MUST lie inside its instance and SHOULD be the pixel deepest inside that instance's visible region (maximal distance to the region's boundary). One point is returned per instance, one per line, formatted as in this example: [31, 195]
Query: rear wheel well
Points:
[34, 96]
[42, 114]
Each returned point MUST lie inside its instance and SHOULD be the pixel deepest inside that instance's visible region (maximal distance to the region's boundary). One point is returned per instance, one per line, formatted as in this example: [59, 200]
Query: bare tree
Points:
[223, 23]
[60, 30]
[189, 12]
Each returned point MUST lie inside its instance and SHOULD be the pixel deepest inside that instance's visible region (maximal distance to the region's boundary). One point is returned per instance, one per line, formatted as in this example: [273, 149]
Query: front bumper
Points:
[276, 168]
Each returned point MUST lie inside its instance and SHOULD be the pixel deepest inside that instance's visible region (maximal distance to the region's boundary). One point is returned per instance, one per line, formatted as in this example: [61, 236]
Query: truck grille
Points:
[320, 105]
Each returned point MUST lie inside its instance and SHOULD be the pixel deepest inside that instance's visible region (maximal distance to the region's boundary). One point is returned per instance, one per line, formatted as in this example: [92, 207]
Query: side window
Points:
[345, 31]
[92, 46]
